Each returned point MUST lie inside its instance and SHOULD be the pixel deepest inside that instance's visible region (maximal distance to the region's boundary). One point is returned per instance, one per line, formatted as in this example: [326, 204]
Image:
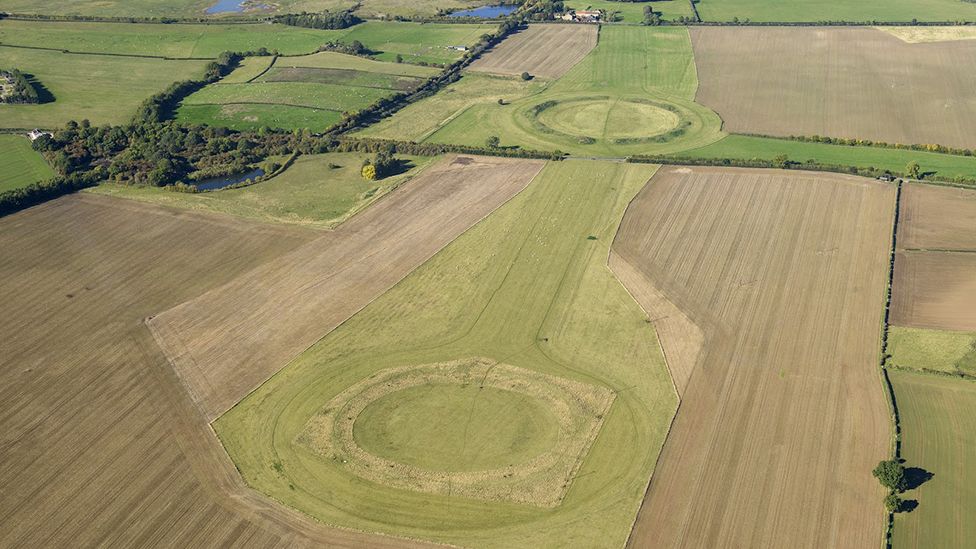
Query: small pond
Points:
[486, 12]
[215, 183]
[232, 6]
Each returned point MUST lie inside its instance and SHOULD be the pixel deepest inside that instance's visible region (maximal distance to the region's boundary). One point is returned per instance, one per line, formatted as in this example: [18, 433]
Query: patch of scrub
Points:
[918, 35]
[938, 350]
[472, 428]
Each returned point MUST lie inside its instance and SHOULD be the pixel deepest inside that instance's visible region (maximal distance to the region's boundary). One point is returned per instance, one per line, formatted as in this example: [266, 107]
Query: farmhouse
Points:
[36, 133]
[582, 16]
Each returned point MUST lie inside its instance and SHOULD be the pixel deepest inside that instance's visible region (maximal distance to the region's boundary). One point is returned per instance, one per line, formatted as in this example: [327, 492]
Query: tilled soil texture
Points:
[100, 445]
[838, 82]
[548, 51]
[784, 415]
[937, 218]
[228, 341]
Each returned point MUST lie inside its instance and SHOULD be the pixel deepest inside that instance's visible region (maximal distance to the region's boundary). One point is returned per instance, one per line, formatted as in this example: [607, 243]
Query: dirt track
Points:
[838, 82]
[784, 415]
[100, 446]
[548, 51]
[230, 340]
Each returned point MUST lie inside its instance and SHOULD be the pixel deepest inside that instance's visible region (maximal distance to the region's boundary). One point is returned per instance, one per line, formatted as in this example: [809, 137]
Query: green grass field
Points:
[308, 193]
[619, 90]
[938, 419]
[197, 8]
[309, 91]
[633, 12]
[103, 89]
[414, 41]
[528, 286]
[837, 10]
[923, 349]
[748, 147]
[19, 164]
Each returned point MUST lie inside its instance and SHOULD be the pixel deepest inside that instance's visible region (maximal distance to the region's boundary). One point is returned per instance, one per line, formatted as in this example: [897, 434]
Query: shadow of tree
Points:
[907, 505]
[916, 476]
[44, 95]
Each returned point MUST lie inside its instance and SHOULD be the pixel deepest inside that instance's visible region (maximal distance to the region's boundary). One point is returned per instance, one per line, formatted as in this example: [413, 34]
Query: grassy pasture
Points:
[938, 418]
[748, 147]
[837, 10]
[922, 349]
[309, 91]
[103, 89]
[633, 12]
[417, 42]
[309, 193]
[19, 164]
[249, 68]
[630, 66]
[528, 285]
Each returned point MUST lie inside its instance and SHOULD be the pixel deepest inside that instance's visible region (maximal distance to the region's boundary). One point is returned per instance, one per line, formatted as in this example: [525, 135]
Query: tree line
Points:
[325, 20]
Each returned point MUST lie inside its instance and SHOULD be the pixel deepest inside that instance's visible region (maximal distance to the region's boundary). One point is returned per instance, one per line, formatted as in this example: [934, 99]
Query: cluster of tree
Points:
[651, 17]
[544, 10]
[352, 48]
[853, 142]
[346, 144]
[17, 88]
[325, 20]
[160, 106]
[383, 163]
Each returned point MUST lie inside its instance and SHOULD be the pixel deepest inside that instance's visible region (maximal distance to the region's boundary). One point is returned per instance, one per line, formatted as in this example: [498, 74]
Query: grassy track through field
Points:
[311, 192]
[19, 164]
[938, 423]
[636, 68]
[779, 407]
[527, 287]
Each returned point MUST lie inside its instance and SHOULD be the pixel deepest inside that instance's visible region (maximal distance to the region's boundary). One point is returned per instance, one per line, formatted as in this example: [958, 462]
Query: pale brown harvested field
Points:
[228, 341]
[99, 445]
[784, 415]
[937, 218]
[935, 290]
[547, 51]
[838, 82]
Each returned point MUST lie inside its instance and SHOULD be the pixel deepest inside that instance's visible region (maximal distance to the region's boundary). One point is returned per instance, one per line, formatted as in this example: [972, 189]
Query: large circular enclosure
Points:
[471, 427]
[456, 427]
[609, 118]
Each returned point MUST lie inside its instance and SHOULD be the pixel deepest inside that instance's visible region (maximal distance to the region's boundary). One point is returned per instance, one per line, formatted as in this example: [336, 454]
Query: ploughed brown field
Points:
[783, 414]
[838, 82]
[228, 341]
[548, 51]
[935, 284]
[937, 218]
[100, 445]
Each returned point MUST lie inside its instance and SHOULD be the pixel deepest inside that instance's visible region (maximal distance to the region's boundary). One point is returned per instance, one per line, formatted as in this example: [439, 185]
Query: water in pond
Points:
[226, 181]
[231, 6]
[486, 12]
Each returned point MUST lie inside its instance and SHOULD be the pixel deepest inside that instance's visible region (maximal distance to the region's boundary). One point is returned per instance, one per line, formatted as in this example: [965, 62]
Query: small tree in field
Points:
[913, 170]
[526, 76]
[891, 475]
[369, 172]
[892, 502]
[492, 142]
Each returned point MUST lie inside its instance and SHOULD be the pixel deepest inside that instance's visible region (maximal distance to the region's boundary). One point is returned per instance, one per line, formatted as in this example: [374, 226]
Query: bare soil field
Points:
[230, 340]
[547, 51]
[937, 218]
[838, 82]
[784, 415]
[100, 445]
[935, 290]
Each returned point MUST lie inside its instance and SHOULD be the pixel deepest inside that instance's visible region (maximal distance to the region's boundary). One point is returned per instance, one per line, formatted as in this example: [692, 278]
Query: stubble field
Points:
[548, 51]
[783, 416]
[230, 340]
[100, 444]
[838, 82]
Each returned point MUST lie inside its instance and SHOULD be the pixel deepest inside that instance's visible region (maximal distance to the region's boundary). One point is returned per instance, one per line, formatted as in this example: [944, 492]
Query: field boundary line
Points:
[106, 54]
[259, 103]
[262, 73]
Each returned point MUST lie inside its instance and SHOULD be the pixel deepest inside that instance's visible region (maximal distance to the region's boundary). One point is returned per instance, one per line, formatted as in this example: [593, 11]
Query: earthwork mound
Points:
[472, 428]
[617, 120]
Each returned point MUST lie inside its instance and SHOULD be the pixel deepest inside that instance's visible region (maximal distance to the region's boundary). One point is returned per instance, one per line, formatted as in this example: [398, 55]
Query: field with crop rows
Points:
[548, 51]
[836, 10]
[778, 407]
[838, 82]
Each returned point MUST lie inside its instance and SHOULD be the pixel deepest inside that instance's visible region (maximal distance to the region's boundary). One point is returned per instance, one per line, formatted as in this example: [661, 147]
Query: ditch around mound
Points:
[471, 427]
